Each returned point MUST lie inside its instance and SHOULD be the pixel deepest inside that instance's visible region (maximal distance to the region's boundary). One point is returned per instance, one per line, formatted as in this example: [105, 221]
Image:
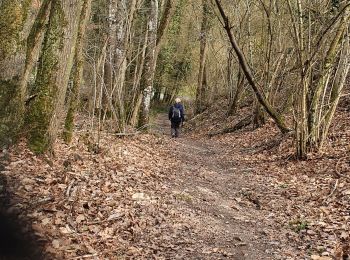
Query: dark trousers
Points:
[175, 129]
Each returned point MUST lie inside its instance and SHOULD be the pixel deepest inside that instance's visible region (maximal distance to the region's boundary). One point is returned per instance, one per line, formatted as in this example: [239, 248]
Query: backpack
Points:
[176, 114]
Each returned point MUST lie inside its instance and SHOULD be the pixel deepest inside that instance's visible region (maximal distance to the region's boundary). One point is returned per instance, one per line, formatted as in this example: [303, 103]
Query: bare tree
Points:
[250, 78]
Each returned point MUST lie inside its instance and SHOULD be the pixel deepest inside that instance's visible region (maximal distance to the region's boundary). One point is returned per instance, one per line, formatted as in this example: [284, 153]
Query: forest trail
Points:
[211, 188]
[149, 196]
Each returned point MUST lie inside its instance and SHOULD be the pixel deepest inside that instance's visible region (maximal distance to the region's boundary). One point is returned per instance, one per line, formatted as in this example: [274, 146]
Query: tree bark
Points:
[201, 87]
[45, 111]
[34, 42]
[109, 72]
[13, 15]
[321, 84]
[339, 82]
[236, 94]
[150, 61]
[163, 24]
[125, 18]
[136, 91]
[78, 72]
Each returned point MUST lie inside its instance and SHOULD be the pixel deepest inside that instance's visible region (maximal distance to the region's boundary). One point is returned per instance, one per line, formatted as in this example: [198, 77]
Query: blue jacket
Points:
[182, 111]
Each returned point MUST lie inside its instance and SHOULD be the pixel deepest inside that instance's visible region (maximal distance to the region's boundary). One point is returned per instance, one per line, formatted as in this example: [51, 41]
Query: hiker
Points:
[177, 117]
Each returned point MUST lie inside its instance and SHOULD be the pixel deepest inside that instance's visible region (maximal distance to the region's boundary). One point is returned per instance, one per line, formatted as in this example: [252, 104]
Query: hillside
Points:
[236, 196]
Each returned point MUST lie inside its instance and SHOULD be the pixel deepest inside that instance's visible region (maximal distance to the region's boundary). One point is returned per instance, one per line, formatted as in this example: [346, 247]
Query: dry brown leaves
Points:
[118, 203]
[114, 204]
[305, 203]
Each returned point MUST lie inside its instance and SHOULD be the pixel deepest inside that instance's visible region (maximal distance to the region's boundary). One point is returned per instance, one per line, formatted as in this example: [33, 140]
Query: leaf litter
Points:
[233, 196]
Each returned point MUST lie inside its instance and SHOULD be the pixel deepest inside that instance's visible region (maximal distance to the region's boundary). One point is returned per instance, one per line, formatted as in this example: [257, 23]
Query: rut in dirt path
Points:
[211, 187]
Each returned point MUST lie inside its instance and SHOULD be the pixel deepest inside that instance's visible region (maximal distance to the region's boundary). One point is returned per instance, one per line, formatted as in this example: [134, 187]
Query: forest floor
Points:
[236, 196]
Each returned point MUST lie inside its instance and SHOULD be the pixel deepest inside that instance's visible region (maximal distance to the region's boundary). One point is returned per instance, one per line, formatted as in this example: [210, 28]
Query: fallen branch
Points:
[127, 134]
[198, 116]
[241, 124]
[270, 144]
[249, 75]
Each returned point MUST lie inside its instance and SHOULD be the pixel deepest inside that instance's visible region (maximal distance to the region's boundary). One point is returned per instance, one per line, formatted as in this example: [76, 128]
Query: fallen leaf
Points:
[56, 243]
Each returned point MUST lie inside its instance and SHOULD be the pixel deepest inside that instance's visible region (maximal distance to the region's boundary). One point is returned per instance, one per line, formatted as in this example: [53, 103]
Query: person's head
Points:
[177, 100]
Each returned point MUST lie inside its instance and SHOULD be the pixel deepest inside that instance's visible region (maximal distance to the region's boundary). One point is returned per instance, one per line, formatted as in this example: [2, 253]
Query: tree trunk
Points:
[109, 72]
[34, 42]
[321, 84]
[201, 87]
[338, 85]
[155, 37]
[301, 128]
[13, 16]
[164, 23]
[55, 64]
[125, 16]
[135, 112]
[236, 94]
[78, 72]
[150, 61]
[135, 104]
[258, 116]
[119, 65]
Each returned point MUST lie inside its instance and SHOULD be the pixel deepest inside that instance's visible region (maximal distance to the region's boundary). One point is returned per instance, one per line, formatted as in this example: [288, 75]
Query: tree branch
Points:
[243, 63]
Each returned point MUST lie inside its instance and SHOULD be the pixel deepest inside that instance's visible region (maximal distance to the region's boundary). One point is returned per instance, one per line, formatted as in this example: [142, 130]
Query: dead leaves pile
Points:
[114, 204]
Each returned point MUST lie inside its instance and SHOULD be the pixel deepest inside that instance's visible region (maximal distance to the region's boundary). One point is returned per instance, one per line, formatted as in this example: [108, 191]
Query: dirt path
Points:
[213, 190]
[152, 197]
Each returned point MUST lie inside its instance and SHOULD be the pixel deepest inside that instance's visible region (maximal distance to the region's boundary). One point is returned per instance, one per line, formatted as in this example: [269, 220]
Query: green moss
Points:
[10, 112]
[11, 22]
[299, 225]
[13, 15]
[37, 29]
[25, 9]
[41, 110]
[74, 97]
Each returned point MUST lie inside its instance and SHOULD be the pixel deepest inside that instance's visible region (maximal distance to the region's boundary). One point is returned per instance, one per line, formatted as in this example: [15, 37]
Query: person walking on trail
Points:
[177, 117]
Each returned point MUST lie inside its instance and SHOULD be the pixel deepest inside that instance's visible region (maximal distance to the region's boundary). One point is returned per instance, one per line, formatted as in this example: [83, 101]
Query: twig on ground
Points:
[337, 170]
[334, 189]
[127, 134]
[43, 200]
[85, 256]
[70, 188]
[111, 218]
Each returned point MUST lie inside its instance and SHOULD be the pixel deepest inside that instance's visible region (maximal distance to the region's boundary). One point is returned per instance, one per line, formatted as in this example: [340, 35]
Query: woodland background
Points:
[286, 60]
